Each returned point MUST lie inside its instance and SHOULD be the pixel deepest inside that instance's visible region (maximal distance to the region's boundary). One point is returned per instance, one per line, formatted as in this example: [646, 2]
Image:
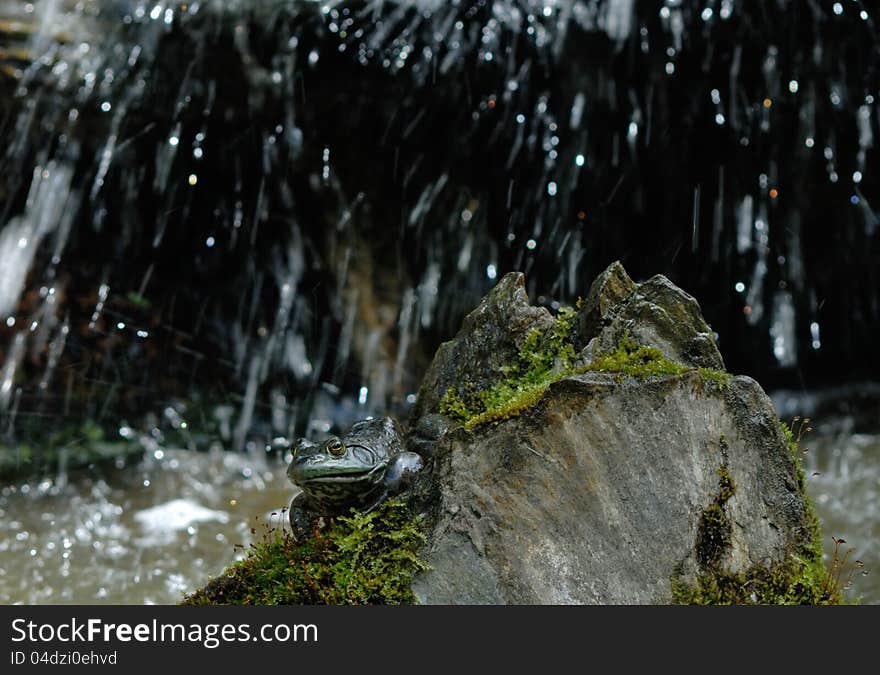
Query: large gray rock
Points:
[599, 492]
[595, 495]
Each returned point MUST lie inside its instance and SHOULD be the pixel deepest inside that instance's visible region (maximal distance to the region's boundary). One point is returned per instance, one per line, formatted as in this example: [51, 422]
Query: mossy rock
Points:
[629, 471]
[491, 338]
[548, 357]
[629, 477]
[654, 313]
[508, 353]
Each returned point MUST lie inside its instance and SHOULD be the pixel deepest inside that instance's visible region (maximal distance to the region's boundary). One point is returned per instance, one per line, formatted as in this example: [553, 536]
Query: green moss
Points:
[548, 356]
[791, 582]
[509, 401]
[726, 486]
[453, 406]
[631, 359]
[814, 529]
[358, 559]
[720, 379]
[800, 579]
[793, 444]
[714, 530]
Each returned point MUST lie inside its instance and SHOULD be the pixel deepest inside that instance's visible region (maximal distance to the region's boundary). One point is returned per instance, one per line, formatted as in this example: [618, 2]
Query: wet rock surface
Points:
[655, 313]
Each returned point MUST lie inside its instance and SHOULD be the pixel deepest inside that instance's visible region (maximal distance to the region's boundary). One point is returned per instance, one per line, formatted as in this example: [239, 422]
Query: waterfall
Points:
[214, 201]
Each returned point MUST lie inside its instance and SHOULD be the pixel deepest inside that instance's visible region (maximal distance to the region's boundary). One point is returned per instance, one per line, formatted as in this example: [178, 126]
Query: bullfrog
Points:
[360, 470]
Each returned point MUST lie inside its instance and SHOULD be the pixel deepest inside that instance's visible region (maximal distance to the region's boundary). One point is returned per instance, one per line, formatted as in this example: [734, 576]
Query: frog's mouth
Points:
[338, 478]
[352, 475]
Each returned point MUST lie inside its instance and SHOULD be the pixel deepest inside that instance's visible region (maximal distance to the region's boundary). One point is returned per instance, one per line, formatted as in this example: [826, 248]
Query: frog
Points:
[359, 470]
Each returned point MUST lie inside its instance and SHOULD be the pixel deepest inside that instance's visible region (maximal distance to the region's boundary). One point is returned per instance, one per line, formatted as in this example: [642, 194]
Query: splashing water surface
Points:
[142, 534]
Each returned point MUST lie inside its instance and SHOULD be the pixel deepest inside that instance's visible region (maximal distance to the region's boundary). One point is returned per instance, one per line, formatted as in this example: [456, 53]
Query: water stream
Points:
[843, 478]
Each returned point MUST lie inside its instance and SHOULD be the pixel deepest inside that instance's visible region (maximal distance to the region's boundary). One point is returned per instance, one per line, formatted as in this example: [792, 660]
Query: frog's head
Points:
[350, 470]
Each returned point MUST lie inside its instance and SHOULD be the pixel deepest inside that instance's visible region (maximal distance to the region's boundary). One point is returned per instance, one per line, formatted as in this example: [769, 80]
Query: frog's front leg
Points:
[402, 471]
[399, 475]
[302, 519]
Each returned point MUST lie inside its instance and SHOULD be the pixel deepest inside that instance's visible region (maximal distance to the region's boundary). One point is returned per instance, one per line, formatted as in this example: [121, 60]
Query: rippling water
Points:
[142, 534]
[843, 477]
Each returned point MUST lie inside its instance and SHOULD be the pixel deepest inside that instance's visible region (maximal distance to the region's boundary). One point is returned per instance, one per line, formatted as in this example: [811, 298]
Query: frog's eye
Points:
[335, 447]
